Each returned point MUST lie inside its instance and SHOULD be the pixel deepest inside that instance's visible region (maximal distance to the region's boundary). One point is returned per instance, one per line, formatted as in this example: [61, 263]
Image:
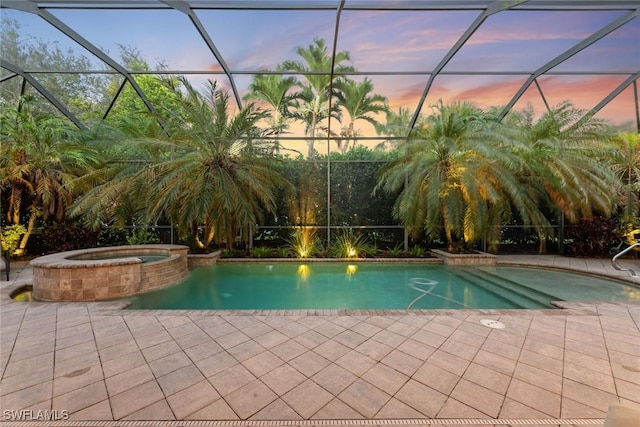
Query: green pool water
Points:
[378, 286]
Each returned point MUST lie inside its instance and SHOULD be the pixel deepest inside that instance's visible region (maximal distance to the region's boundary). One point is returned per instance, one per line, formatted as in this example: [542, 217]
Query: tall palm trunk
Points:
[312, 137]
[447, 226]
[208, 235]
[13, 213]
[33, 216]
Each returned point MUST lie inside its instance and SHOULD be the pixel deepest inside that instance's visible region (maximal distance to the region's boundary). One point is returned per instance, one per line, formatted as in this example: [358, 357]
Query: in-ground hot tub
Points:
[106, 273]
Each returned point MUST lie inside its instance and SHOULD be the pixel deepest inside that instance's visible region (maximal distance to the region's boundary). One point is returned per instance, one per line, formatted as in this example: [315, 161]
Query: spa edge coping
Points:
[65, 259]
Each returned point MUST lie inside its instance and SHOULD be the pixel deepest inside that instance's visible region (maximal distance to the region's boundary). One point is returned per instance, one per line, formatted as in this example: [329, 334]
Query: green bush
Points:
[142, 236]
[11, 235]
[417, 252]
[109, 236]
[283, 252]
[396, 251]
[349, 245]
[303, 243]
[261, 252]
[232, 253]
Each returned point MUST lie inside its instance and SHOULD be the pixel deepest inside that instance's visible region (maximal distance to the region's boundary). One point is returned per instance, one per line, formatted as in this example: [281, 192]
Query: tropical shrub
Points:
[11, 235]
[111, 236]
[417, 252]
[40, 158]
[261, 252]
[232, 253]
[66, 236]
[593, 237]
[304, 243]
[348, 244]
[283, 252]
[142, 235]
[396, 251]
[624, 158]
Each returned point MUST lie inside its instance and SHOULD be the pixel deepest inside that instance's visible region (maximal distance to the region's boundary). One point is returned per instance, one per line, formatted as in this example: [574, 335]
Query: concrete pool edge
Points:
[614, 275]
[429, 260]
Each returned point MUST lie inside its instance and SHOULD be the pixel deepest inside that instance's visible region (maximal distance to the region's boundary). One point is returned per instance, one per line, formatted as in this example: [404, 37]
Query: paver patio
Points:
[95, 361]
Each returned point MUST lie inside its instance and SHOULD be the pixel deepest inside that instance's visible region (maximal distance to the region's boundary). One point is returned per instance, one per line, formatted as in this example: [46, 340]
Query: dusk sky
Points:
[507, 47]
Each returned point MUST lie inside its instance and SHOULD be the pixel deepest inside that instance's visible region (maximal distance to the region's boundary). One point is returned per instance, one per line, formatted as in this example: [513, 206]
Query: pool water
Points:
[23, 294]
[367, 285]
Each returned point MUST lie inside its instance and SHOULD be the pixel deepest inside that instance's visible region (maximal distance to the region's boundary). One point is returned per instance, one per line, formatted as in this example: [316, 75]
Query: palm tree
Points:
[460, 178]
[275, 91]
[396, 125]
[313, 105]
[625, 162]
[565, 154]
[214, 177]
[360, 104]
[109, 197]
[111, 194]
[40, 157]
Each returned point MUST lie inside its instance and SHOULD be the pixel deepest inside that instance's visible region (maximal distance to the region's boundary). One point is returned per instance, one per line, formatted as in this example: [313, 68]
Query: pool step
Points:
[511, 300]
[519, 295]
[540, 295]
[533, 295]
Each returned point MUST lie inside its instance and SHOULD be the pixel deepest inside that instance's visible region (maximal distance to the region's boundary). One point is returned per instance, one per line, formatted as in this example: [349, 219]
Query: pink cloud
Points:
[585, 92]
[527, 26]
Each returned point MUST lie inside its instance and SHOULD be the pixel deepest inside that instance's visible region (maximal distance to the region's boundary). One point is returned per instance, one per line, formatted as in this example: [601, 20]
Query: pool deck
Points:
[101, 366]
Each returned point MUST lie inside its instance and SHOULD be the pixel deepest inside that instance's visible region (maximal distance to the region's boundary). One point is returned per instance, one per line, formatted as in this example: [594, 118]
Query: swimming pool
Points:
[339, 285]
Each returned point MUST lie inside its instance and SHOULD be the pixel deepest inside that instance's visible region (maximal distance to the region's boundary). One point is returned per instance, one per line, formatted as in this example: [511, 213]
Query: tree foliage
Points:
[464, 173]
[361, 104]
[40, 157]
[194, 162]
[313, 105]
[566, 167]
[82, 93]
[624, 158]
[211, 176]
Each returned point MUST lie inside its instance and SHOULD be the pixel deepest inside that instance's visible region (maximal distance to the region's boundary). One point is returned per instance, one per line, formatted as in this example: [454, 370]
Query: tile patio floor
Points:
[94, 361]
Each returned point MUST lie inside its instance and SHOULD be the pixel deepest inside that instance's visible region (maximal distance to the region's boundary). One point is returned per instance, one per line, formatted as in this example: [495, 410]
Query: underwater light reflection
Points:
[303, 275]
[351, 270]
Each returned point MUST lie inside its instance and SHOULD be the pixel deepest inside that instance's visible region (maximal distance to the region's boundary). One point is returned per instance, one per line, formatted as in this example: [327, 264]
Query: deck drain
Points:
[490, 323]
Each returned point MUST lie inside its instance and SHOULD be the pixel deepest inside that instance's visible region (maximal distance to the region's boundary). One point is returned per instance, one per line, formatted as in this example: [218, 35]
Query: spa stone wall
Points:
[60, 277]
